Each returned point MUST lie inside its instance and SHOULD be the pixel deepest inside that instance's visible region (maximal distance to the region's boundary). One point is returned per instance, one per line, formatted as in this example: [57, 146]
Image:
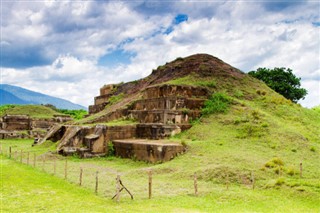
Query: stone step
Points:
[147, 150]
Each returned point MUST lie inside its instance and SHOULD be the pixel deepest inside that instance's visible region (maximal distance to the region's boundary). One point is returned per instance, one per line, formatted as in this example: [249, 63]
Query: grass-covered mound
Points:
[247, 132]
[34, 111]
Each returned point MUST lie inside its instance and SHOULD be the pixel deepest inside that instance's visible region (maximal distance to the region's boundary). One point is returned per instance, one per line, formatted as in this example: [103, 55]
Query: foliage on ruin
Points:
[193, 80]
[76, 114]
[115, 99]
[217, 103]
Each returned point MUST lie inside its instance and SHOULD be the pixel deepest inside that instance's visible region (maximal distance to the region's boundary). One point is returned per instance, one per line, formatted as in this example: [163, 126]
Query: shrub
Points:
[218, 102]
[280, 181]
[111, 151]
[274, 162]
[76, 114]
[312, 149]
[291, 171]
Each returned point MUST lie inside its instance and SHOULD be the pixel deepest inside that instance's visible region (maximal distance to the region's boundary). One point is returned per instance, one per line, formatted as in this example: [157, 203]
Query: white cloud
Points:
[70, 37]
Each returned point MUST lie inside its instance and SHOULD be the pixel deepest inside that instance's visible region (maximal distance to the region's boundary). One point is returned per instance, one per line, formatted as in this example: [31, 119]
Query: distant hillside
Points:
[16, 95]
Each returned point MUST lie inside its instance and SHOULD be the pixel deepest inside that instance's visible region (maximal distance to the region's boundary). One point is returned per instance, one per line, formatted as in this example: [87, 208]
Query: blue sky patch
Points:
[115, 58]
[317, 24]
[176, 21]
[180, 18]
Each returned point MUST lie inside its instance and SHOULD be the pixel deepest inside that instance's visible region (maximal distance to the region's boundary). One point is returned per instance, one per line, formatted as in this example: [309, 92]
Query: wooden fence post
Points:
[9, 151]
[54, 166]
[34, 160]
[195, 182]
[80, 176]
[15, 155]
[66, 169]
[227, 181]
[150, 183]
[300, 169]
[28, 156]
[118, 189]
[0, 148]
[97, 182]
[21, 156]
[43, 162]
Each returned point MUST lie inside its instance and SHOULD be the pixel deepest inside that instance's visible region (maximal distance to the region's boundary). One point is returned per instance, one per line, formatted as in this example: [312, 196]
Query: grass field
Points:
[29, 189]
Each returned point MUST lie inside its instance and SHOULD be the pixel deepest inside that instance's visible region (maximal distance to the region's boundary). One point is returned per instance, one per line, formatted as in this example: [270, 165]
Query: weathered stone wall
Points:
[156, 131]
[106, 89]
[16, 122]
[145, 151]
[96, 108]
[24, 122]
[159, 97]
[171, 103]
[164, 116]
[175, 91]
[102, 99]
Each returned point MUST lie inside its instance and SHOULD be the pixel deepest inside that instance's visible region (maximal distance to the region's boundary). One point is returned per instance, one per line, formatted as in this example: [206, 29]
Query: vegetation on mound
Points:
[217, 103]
[34, 111]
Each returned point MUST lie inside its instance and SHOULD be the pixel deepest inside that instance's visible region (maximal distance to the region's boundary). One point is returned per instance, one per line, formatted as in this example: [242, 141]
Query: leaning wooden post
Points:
[195, 182]
[253, 180]
[66, 169]
[97, 182]
[10, 151]
[28, 156]
[150, 184]
[80, 176]
[34, 159]
[118, 188]
[20, 156]
[300, 169]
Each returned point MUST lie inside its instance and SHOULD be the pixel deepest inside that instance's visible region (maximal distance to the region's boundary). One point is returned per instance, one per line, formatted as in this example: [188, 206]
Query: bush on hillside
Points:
[76, 114]
[217, 103]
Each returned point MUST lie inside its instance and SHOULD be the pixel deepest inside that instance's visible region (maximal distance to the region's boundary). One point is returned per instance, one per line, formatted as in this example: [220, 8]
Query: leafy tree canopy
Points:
[281, 80]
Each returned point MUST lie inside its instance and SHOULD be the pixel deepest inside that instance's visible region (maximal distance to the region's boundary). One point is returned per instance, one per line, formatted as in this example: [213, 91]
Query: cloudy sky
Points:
[69, 49]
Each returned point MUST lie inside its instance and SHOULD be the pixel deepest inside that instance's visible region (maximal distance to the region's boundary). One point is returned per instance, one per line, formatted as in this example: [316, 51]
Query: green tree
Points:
[281, 80]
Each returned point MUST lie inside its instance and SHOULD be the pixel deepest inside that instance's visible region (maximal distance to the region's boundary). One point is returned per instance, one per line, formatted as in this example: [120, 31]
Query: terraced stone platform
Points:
[147, 150]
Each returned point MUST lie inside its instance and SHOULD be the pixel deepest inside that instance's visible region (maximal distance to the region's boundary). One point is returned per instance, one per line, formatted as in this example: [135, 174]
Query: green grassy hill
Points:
[249, 132]
[34, 111]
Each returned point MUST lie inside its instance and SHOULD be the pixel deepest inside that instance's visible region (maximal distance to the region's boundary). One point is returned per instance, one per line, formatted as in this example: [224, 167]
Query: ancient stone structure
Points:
[161, 111]
[87, 141]
[103, 99]
[23, 126]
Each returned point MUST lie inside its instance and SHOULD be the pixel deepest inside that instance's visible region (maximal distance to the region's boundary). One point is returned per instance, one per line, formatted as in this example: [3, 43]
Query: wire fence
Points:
[142, 183]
